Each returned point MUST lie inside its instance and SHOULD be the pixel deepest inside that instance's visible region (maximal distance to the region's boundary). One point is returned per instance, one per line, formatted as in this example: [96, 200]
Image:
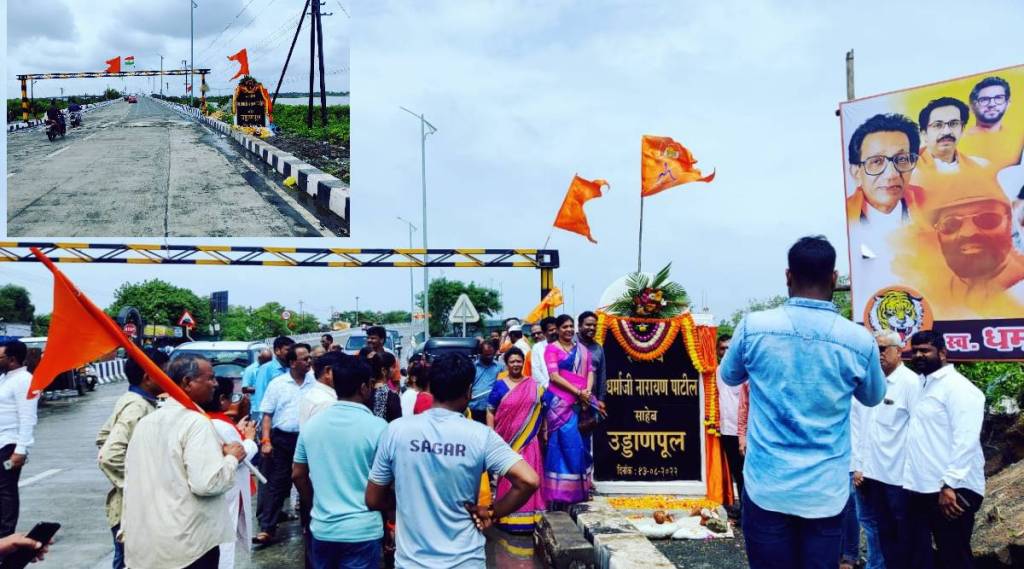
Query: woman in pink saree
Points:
[568, 462]
[515, 410]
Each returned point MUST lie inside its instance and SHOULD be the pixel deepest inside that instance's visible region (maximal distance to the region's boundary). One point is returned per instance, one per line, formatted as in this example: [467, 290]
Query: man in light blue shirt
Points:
[435, 461]
[487, 369]
[267, 372]
[331, 466]
[249, 378]
[280, 433]
[804, 362]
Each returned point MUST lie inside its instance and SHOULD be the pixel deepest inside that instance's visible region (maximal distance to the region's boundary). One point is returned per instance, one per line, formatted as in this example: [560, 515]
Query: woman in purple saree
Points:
[515, 410]
[568, 462]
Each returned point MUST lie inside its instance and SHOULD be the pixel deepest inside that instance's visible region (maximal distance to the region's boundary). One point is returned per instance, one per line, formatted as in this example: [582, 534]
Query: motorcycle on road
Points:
[76, 119]
[56, 127]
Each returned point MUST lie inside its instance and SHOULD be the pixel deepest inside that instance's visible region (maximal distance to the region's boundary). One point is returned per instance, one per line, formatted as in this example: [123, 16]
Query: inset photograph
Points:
[215, 118]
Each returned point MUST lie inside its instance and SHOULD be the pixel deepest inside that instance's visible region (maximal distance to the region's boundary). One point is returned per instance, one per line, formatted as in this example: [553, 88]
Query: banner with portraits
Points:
[935, 211]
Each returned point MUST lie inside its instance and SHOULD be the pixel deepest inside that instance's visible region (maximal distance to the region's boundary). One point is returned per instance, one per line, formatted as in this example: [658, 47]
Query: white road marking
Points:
[38, 477]
[56, 152]
[90, 136]
[11, 174]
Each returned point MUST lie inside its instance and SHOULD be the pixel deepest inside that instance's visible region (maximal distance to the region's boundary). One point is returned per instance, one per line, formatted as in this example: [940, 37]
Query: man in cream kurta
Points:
[176, 474]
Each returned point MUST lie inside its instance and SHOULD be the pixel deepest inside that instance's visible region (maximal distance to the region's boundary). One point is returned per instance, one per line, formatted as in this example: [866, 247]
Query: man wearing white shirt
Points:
[879, 458]
[280, 408]
[944, 473]
[729, 407]
[322, 395]
[538, 369]
[17, 421]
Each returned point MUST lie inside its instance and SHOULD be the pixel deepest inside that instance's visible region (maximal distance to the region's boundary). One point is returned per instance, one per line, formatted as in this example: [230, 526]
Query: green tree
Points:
[237, 324]
[444, 293]
[16, 304]
[374, 316]
[41, 325]
[160, 302]
[997, 380]
[727, 326]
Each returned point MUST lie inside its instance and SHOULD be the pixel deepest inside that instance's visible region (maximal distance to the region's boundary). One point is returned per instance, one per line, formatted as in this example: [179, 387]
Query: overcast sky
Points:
[527, 94]
[73, 35]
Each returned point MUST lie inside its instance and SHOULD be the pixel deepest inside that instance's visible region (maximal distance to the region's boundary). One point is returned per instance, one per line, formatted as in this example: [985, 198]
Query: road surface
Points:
[142, 170]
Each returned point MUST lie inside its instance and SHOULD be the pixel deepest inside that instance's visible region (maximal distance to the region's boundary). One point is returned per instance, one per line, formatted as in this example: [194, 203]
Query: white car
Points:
[229, 359]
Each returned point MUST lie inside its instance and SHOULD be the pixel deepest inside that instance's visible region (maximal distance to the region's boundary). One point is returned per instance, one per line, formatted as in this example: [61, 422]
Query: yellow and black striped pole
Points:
[547, 282]
[202, 90]
[24, 99]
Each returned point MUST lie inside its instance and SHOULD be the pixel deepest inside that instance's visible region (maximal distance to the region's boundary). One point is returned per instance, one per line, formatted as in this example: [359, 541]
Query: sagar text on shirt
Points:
[446, 449]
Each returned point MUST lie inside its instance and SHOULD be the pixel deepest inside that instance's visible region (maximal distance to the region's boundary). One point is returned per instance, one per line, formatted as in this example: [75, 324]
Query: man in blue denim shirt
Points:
[804, 361]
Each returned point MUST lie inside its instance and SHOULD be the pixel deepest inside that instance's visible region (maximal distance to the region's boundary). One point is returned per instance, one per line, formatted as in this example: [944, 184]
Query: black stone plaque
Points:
[653, 431]
[250, 108]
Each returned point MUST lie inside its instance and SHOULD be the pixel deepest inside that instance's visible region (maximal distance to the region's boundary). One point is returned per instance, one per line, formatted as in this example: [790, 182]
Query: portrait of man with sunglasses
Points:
[973, 227]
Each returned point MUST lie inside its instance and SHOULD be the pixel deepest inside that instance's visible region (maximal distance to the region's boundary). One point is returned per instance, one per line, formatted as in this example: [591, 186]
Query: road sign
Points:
[285, 315]
[463, 312]
[186, 320]
[130, 329]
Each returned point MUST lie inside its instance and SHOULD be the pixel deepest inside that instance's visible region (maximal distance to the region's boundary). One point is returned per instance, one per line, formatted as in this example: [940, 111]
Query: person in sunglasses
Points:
[998, 132]
[970, 216]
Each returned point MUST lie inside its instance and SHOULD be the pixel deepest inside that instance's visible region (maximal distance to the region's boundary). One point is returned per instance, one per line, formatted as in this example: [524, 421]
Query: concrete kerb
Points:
[22, 125]
[328, 191]
[617, 544]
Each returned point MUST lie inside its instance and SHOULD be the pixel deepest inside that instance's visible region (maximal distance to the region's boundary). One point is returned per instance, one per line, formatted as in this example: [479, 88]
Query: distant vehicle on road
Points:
[437, 346]
[229, 359]
[357, 341]
[132, 99]
[77, 379]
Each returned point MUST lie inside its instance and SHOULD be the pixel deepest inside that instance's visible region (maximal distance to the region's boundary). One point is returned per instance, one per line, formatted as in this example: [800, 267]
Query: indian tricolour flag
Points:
[129, 61]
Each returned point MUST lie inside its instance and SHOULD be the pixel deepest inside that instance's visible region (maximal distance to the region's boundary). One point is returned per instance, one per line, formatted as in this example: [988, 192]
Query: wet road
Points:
[142, 170]
[61, 483]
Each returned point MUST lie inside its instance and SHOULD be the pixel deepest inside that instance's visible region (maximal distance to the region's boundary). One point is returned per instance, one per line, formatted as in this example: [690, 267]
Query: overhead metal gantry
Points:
[545, 260]
[25, 78]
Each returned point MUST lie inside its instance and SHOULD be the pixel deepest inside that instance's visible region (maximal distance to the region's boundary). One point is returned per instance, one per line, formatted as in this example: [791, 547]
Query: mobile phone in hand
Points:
[43, 533]
[961, 501]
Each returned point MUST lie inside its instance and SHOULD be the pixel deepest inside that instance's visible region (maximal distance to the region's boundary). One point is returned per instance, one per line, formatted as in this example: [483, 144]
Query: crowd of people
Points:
[825, 430]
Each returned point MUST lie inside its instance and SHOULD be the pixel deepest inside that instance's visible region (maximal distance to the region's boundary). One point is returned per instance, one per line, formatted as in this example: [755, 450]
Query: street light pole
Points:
[184, 65]
[357, 311]
[412, 305]
[423, 177]
[192, 49]
[161, 75]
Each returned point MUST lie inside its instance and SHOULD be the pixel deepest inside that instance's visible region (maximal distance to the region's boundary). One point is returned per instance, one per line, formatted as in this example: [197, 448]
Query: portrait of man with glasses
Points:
[994, 135]
[942, 122]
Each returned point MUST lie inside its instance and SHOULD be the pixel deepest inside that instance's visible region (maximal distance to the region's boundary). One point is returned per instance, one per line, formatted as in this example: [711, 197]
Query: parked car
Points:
[79, 380]
[229, 359]
[357, 341]
[437, 346]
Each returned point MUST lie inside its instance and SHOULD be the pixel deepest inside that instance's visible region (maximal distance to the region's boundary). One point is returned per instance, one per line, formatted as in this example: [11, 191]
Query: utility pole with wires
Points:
[192, 48]
[316, 47]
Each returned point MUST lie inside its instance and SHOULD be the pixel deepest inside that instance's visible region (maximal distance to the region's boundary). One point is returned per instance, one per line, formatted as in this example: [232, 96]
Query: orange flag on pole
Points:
[80, 332]
[242, 57]
[571, 216]
[553, 299]
[665, 163]
[113, 65]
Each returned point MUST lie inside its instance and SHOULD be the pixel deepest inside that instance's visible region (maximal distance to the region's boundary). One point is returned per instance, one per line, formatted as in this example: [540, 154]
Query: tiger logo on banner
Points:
[898, 309]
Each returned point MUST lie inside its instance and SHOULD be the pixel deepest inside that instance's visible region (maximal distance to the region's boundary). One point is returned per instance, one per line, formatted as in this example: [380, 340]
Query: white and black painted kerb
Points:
[326, 190]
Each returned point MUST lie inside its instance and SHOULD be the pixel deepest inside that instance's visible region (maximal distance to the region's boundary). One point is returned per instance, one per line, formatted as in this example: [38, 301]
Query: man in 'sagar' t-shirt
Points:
[434, 461]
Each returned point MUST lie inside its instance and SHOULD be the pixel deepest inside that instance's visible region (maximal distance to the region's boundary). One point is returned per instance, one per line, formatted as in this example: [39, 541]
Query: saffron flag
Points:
[129, 61]
[664, 163]
[571, 216]
[242, 57]
[80, 332]
[113, 65]
[553, 299]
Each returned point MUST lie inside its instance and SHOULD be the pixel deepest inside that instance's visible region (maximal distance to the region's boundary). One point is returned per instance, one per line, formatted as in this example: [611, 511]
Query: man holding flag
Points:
[175, 468]
[17, 421]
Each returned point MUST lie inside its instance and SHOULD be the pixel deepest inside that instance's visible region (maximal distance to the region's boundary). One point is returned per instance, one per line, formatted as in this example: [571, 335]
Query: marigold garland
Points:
[660, 502]
[700, 342]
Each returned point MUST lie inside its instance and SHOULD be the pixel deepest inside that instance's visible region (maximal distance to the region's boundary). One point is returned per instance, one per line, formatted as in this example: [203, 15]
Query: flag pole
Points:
[133, 351]
[640, 239]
